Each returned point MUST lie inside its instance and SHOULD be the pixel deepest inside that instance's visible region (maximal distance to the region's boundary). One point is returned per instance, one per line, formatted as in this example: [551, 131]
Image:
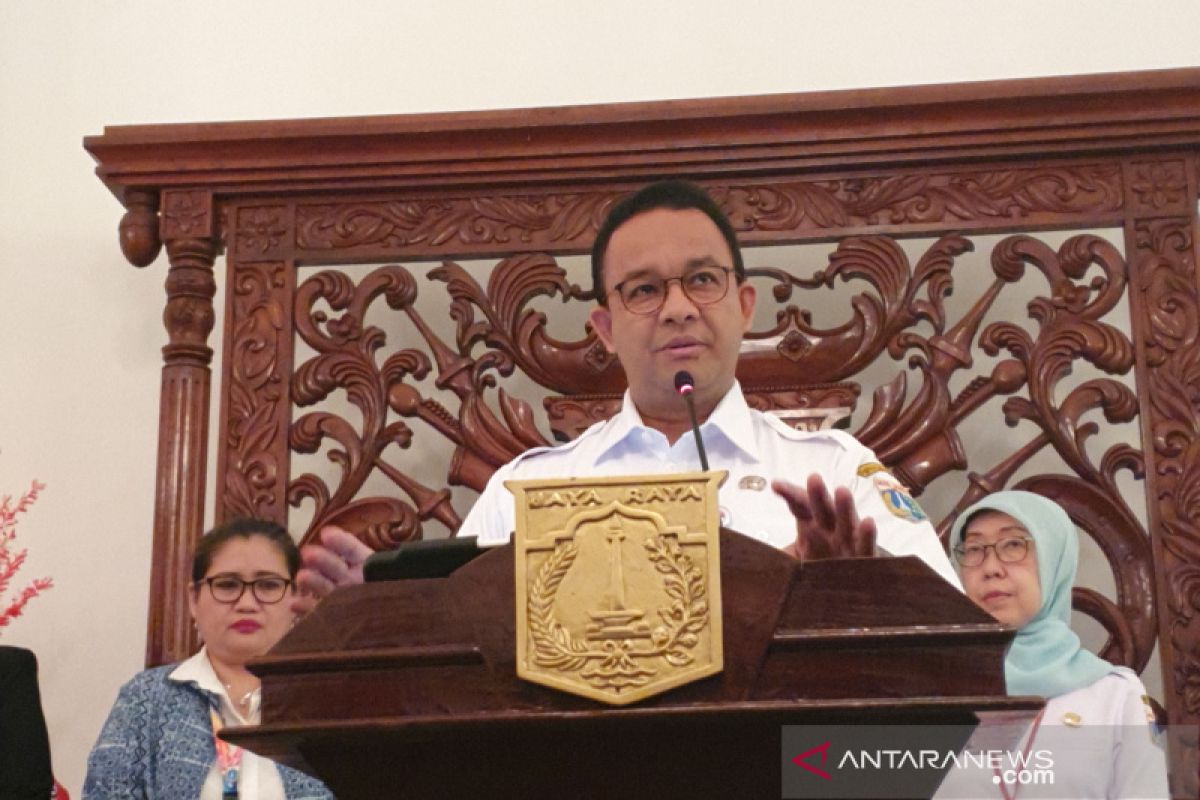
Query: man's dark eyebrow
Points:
[690, 264]
[639, 273]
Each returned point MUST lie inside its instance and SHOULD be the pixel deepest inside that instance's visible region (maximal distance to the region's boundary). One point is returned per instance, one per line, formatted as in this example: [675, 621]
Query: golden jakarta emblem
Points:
[618, 583]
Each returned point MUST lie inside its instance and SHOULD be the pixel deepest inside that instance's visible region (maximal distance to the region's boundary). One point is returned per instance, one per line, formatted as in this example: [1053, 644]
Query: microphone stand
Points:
[691, 404]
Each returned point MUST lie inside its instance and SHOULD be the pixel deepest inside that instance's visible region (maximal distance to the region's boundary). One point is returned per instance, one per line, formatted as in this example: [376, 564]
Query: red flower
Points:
[10, 562]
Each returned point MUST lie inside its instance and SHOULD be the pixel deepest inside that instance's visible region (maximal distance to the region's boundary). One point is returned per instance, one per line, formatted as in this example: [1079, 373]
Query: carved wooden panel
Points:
[257, 411]
[395, 289]
[1166, 313]
[915, 433]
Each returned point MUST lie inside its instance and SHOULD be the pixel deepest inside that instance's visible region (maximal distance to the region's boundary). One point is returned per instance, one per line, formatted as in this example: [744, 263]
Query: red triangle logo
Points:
[800, 761]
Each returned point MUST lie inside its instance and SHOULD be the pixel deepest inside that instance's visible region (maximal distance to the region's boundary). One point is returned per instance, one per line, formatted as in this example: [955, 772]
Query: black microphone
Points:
[686, 386]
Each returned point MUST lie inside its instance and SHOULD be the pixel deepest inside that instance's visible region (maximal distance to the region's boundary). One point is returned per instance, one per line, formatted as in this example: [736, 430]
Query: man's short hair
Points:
[677, 195]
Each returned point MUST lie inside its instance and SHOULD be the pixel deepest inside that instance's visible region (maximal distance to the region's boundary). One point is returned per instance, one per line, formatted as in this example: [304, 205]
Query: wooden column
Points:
[188, 231]
[1160, 239]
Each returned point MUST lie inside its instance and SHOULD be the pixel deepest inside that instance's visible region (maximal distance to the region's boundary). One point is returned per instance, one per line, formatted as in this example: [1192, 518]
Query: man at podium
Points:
[672, 298]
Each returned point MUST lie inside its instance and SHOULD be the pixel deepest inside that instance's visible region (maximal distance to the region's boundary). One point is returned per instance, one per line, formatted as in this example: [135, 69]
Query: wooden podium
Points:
[409, 689]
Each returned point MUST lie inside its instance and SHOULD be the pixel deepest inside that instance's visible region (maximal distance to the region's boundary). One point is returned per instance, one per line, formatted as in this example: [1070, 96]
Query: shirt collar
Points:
[731, 419]
[198, 670]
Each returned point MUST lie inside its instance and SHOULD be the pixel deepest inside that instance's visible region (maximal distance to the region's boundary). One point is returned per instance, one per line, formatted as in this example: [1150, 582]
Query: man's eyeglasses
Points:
[230, 588]
[1009, 551]
[646, 294]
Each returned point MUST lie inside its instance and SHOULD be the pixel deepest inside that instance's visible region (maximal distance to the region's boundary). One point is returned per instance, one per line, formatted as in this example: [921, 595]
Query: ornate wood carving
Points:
[1166, 306]
[139, 228]
[345, 360]
[510, 219]
[1159, 188]
[262, 232]
[186, 214]
[562, 222]
[860, 169]
[570, 416]
[257, 365]
[183, 434]
[808, 408]
[938, 198]
[254, 459]
[916, 436]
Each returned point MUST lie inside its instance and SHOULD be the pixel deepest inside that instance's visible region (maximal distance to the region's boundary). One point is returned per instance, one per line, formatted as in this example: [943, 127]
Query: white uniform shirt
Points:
[1099, 741]
[259, 777]
[754, 447]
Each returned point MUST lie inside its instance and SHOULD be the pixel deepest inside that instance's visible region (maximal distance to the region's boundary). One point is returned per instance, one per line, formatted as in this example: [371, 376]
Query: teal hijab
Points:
[1046, 657]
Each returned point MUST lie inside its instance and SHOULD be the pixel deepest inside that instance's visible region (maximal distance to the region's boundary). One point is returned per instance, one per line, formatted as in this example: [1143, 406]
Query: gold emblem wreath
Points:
[620, 664]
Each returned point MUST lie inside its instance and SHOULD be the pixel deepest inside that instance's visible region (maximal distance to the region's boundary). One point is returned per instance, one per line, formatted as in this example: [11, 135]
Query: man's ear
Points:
[601, 319]
[746, 296]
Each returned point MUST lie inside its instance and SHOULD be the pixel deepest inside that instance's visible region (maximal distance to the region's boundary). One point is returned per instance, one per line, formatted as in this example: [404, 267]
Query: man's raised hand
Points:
[826, 526]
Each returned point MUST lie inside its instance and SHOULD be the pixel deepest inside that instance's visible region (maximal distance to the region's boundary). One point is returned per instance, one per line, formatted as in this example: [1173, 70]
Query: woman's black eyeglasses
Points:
[1009, 551]
[230, 588]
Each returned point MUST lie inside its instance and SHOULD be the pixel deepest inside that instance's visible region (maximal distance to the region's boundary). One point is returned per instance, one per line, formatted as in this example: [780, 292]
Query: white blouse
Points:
[1094, 742]
[258, 778]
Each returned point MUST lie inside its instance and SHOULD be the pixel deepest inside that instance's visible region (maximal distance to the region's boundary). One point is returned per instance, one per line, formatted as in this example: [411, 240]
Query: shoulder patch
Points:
[895, 495]
[1135, 688]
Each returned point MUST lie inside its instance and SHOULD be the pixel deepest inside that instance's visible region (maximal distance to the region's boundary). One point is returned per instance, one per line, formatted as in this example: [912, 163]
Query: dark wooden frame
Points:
[1063, 153]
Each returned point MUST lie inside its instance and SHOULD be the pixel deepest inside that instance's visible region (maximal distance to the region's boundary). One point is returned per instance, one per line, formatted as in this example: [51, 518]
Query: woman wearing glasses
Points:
[1017, 553]
[160, 740]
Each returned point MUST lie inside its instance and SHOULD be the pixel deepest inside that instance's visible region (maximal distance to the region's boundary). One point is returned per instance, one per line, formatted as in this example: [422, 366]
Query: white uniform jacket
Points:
[1094, 742]
[754, 447]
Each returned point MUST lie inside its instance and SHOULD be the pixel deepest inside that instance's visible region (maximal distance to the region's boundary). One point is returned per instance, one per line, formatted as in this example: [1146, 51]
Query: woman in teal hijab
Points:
[1017, 553]
[1046, 657]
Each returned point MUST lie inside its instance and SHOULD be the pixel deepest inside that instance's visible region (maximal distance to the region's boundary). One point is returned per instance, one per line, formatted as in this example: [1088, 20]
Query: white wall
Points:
[81, 331]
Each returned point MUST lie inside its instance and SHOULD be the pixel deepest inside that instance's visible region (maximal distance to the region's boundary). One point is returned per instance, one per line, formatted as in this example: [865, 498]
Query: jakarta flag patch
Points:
[895, 495]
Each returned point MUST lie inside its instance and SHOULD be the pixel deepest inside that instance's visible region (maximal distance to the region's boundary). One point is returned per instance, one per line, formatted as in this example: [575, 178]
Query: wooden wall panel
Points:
[295, 205]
